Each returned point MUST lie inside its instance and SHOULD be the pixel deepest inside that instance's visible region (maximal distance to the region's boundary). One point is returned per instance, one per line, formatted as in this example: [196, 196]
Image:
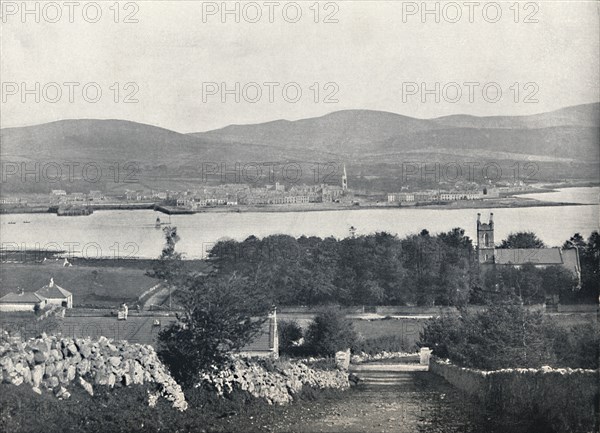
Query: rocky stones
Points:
[36, 375]
[71, 370]
[83, 367]
[49, 369]
[72, 349]
[55, 363]
[53, 382]
[85, 350]
[16, 380]
[276, 385]
[62, 393]
[365, 357]
[87, 386]
[342, 359]
[39, 357]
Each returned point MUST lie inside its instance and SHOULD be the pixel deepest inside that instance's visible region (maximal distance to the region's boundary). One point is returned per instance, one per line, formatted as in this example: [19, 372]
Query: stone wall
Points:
[54, 363]
[566, 398]
[274, 381]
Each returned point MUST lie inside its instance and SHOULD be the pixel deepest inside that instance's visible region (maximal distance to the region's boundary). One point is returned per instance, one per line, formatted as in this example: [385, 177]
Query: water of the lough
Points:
[133, 233]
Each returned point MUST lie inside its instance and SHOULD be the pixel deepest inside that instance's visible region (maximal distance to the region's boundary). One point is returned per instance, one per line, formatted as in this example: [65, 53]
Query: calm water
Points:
[126, 233]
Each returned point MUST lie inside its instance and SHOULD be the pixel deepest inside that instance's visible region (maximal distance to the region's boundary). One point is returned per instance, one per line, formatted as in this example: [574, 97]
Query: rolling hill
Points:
[367, 141]
[571, 132]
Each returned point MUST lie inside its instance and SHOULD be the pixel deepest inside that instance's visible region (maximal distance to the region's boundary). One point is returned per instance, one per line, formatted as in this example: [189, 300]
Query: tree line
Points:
[383, 269]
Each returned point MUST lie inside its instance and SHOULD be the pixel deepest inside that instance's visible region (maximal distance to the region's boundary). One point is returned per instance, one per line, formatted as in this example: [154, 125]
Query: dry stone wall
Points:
[567, 398]
[54, 363]
[278, 384]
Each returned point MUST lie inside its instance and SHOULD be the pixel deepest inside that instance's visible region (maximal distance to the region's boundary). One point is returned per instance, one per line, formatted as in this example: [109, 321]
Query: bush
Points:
[330, 332]
[578, 346]
[510, 336]
[290, 334]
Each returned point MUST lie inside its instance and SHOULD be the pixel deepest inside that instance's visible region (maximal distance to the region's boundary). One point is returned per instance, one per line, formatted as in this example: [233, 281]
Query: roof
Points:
[571, 259]
[53, 292]
[536, 256]
[23, 298]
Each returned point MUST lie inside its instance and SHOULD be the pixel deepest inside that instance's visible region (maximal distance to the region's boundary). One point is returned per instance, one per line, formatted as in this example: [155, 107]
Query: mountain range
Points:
[565, 141]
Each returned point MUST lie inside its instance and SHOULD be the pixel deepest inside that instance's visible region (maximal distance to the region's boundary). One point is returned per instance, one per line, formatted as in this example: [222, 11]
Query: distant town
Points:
[235, 196]
[239, 195]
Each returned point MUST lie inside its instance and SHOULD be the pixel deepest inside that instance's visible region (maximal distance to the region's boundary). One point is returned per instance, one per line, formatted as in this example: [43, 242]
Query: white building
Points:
[56, 295]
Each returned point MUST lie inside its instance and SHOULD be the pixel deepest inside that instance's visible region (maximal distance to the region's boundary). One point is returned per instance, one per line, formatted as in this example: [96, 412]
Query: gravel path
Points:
[397, 402]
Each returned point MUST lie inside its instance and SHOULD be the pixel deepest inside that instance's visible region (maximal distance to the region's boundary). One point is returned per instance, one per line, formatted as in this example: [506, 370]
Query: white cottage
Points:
[56, 295]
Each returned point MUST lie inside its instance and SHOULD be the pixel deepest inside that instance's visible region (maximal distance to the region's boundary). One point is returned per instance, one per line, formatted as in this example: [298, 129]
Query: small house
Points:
[56, 295]
[22, 301]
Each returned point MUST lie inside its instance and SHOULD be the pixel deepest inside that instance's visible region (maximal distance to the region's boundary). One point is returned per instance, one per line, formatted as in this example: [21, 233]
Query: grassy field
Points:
[98, 286]
[141, 329]
[136, 329]
[408, 330]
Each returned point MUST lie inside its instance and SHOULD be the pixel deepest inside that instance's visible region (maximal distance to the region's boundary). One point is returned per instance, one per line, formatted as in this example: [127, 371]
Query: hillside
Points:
[569, 132]
[567, 140]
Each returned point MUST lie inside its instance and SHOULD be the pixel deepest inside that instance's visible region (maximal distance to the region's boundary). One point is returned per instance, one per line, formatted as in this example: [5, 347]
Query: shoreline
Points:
[502, 203]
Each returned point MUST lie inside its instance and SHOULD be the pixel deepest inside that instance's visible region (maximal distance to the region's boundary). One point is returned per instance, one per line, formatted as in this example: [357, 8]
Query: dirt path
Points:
[158, 298]
[403, 402]
[400, 402]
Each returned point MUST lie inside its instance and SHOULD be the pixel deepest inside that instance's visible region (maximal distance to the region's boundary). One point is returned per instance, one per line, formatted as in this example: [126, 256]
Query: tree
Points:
[377, 269]
[522, 240]
[525, 283]
[502, 336]
[575, 241]
[589, 258]
[220, 317]
[221, 314]
[290, 334]
[168, 266]
[590, 268]
[557, 281]
[330, 332]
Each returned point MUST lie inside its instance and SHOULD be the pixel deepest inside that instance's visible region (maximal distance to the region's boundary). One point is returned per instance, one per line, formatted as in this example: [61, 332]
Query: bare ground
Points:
[415, 402]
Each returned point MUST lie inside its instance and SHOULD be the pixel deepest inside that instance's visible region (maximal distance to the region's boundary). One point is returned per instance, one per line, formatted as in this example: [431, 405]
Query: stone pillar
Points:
[342, 359]
[424, 355]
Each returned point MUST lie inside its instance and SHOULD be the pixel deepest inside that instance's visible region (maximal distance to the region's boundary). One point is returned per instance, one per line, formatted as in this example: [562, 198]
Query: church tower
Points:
[485, 240]
[344, 180]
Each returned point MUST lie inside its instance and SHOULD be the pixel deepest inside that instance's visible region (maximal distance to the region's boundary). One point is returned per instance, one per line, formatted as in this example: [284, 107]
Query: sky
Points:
[182, 64]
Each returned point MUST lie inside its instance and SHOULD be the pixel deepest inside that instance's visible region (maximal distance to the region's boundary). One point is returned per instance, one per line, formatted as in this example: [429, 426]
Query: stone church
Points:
[489, 256]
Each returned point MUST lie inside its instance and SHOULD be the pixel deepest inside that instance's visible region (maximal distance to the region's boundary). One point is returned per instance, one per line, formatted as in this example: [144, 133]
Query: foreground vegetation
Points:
[510, 336]
[125, 410]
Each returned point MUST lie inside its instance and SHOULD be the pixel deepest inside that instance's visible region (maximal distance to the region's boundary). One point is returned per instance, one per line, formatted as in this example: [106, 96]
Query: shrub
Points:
[510, 336]
[578, 347]
[290, 334]
[330, 332]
